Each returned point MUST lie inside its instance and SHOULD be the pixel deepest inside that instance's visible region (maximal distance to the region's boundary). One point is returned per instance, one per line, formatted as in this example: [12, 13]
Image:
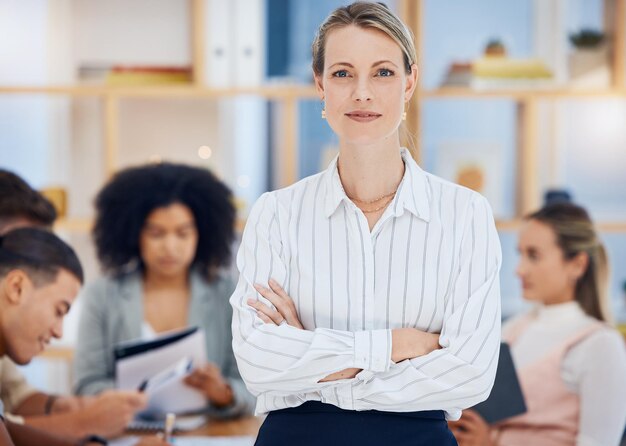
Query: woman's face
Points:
[168, 240]
[364, 84]
[546, 275]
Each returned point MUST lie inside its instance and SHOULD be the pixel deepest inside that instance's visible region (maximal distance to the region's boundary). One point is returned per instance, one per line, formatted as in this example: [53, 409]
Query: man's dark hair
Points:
[19, 200]
[123, 205]
[38, 252]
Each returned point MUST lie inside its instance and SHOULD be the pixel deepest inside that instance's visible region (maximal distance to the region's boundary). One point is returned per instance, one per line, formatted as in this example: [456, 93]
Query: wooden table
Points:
[215, 428]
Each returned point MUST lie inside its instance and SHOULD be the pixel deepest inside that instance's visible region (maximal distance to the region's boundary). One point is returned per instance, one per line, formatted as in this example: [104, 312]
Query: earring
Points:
[323, 110]
[404, 116]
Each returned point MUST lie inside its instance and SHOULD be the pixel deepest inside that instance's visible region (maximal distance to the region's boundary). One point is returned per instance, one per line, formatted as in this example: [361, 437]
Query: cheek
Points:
[190, 246]
[147, 249]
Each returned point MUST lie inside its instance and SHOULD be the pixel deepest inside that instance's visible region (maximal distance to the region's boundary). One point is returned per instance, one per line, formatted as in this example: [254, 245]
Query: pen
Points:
[170, 420]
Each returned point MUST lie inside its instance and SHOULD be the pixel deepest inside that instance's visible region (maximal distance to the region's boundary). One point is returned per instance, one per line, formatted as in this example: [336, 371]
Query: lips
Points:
[363, 115]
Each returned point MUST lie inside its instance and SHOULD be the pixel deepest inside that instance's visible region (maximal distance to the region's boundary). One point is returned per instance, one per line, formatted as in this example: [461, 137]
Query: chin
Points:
[21, 359]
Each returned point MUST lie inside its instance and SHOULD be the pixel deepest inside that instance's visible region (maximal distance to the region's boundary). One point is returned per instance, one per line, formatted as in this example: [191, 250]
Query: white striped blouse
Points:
[431, 262]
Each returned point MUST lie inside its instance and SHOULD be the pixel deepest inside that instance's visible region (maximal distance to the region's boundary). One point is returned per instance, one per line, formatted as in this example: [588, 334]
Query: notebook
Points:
[506, 399]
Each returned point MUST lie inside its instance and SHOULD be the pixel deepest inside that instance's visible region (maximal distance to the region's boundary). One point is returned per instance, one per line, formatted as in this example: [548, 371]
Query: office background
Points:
[89, 87]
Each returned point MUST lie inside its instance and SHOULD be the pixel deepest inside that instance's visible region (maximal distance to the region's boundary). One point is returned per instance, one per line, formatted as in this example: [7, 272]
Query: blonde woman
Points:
[571, 364]
[367, 310]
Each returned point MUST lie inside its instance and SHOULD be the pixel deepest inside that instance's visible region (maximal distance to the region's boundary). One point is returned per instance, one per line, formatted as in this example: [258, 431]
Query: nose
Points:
[171, 244]
[362, 91]
[57, 330]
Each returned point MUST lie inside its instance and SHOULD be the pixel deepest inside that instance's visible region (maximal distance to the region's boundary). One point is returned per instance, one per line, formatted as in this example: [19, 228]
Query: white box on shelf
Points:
[220, 48]
[249, 22]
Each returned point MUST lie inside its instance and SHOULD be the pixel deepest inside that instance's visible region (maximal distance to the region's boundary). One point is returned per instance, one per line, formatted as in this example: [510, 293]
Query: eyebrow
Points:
[187, 225]
[380, 62]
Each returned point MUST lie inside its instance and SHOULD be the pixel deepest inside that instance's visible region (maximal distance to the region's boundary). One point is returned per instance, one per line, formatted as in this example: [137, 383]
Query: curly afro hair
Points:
[123, 205]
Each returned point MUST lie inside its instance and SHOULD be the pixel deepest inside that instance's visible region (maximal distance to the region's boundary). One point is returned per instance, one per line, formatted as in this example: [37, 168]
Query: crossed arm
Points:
[395, 370]
[406, 343]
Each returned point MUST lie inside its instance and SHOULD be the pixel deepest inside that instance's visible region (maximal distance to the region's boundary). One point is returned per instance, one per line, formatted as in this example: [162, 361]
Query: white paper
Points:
[173, 395]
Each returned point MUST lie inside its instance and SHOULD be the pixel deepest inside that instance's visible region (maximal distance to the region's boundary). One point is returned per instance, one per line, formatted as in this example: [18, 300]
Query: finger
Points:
[464, 425]
[274, 298]
[276, 288]
[265, 292]
[271, 315]
[472, 416]
[264, 318]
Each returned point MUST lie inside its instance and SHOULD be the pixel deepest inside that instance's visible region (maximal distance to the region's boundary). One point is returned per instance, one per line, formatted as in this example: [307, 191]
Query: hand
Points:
[285, 308]
[63, 404]
[342, 374]
[152, 440]
[208, 379]
[471, 430]
[409, 343]
[109, 413]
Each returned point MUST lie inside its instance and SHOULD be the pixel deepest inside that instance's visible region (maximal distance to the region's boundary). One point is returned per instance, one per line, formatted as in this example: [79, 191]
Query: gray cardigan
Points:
[112, 311]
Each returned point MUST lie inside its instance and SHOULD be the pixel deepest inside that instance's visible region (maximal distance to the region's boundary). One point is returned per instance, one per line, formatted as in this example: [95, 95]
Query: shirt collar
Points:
[413, 192]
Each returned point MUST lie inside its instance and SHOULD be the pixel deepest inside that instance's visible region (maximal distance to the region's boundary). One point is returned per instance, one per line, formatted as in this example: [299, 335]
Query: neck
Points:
[153, 279]
[567, 296]
[368, 172]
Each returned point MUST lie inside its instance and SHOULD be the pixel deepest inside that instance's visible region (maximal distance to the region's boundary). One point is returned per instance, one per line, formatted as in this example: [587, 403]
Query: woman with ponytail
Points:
[570, 362]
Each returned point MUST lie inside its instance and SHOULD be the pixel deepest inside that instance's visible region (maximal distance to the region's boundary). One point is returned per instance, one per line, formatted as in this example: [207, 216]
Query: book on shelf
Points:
[148, 75]
[499, 72]
[134, 74]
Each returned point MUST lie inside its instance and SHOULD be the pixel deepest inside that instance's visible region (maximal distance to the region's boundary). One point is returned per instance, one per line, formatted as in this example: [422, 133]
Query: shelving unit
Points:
[412, 11]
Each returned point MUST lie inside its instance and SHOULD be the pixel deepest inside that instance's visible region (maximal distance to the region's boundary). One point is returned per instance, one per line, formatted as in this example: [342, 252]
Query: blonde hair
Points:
[364, 15]
[575, 234]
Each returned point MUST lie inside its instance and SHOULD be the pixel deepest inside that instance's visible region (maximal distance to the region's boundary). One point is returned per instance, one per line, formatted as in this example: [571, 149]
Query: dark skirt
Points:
[318, 424]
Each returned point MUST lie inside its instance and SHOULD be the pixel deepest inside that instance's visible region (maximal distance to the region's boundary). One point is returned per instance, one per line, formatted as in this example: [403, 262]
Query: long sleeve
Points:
[462, 372]
[602, 367]
[14, 388]
[244, 401]
[283, 359]
[93, 371]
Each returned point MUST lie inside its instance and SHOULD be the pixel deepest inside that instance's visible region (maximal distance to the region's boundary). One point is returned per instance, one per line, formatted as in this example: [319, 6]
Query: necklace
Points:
[375, 200]
[371, 211]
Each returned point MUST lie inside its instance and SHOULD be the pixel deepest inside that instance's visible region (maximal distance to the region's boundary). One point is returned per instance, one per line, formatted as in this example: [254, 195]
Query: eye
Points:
[384, 72]
[155, 233]
[340, 73]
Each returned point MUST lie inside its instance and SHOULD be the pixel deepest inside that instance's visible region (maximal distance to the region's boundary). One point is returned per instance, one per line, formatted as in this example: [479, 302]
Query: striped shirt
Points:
[431, 262]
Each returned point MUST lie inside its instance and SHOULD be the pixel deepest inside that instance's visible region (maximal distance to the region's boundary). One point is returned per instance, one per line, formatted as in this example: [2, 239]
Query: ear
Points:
[411, 83]
[16, 283]
[319, 86]
[579, 265]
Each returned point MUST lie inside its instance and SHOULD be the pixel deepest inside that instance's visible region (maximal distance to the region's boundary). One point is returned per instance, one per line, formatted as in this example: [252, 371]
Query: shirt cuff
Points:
[372, 350]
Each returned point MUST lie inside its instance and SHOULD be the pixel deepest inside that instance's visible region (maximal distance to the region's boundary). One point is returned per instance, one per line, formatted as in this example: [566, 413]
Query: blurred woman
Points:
[162, 233]
[571, 364]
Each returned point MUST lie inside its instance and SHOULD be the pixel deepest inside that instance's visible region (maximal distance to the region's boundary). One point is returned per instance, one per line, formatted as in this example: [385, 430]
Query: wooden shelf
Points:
[78, 225]
[84, 225]
[564, 93]
[177, 91]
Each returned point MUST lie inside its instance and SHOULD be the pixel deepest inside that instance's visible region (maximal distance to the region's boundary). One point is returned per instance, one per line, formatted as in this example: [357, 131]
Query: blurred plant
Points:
[495, 47]
[587, 38]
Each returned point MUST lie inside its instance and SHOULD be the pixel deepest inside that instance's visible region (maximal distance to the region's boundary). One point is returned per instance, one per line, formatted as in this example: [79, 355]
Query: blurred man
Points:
[75, 417]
